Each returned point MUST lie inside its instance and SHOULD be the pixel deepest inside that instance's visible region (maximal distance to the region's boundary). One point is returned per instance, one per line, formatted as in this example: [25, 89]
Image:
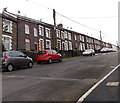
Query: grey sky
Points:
[101, 15]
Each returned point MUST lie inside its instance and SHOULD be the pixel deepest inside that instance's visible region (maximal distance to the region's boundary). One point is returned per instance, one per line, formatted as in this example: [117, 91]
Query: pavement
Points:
[107, 91]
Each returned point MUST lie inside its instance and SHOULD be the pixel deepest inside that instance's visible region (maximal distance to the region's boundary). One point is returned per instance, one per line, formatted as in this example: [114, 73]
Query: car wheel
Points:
[10, 67]
[60, 60]
[50, 61]
[30, 64]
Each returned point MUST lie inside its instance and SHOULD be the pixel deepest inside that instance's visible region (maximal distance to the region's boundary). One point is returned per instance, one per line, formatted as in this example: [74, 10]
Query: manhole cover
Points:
[112, 84]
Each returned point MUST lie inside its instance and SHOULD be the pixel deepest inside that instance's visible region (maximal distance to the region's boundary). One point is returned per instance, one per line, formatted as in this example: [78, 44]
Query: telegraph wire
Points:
[48, 8]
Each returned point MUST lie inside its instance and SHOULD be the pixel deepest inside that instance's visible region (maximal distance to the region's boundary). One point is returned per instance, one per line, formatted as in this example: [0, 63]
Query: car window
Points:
[6, 54]
[14, 54]
[50, 51]
[41, 52]
[20, 54]
[54, 52]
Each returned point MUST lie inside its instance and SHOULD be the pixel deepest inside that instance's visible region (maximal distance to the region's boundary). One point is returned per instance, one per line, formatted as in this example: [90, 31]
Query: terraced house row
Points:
[23, 33]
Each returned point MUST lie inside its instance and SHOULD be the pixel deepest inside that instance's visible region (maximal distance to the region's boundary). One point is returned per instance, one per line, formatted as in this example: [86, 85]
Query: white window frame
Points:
[10, 42]
[27, 41]
[47, 31]
[66, 46]
[65, 34]
[59, 42]
[37, 46]
[35, 32]
[69, 36]
[58, 33]
[27, 31]
[62, 35]
[70, 45]
[40, 44]
[41, 30]
[7, 25]
[49, 44]
[75, 36]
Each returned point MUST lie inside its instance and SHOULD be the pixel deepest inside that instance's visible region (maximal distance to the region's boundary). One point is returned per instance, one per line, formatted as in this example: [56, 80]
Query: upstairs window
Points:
[65, 34]
[62, 35]
[75, 37]
[58, 33]
[69, 36]
[47, 31]
[26, 29]
[41, 30]
[35, 32]
[7, 26]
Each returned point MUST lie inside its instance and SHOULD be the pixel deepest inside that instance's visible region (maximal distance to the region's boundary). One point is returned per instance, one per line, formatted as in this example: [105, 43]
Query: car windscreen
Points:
[88, 50]
[41, 52]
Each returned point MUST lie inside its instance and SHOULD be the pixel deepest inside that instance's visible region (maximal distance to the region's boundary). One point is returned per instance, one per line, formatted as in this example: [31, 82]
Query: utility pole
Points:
[101, 43]
[54, 32]
[100, 36]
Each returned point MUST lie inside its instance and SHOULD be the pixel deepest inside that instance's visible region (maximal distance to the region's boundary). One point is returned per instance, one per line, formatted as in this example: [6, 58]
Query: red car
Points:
[48, 56]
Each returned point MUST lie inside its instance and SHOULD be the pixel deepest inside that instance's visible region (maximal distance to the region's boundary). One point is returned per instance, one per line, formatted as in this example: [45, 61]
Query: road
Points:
[64, 81]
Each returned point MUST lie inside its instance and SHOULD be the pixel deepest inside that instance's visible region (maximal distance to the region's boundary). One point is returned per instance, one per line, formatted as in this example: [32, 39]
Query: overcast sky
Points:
[92, 16]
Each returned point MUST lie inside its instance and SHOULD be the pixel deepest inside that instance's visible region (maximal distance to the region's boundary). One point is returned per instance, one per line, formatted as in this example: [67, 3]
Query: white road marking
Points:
[96, 85]
[112, 84]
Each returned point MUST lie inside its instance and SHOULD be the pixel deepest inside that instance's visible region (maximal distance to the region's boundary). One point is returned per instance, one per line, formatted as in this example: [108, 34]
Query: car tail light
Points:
[5, 58]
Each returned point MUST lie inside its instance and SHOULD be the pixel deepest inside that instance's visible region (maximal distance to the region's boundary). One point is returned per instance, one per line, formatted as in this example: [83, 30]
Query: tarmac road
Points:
[65, 81]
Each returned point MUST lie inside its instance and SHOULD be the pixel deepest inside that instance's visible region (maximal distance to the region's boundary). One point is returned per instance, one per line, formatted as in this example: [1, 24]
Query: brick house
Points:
[23, 33]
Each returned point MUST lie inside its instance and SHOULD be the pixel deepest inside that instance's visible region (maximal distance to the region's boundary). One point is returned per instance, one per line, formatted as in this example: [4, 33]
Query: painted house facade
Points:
[23, 33]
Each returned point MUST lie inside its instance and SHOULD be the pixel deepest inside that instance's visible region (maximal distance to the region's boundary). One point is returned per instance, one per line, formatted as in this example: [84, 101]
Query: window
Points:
[7, 26]
[69, 36]
[26, 29]
[27, 44]
[7, 42]
[47, 31]
[66, 46]
[83, 46]
[75, 37]
[59, 44]
[41, 30]
[63, 45]
[41, 52]
[54, 52]
[35, 32]
[65, 34]
[58, 33]
[36, 46]
[41, 44]
[62, 35]
[17, 54]
[48, 44]
[70, 45]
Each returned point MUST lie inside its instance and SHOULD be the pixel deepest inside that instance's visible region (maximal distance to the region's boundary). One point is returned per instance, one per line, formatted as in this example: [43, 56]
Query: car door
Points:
[55, 55]
[23, 59]
[14, 59]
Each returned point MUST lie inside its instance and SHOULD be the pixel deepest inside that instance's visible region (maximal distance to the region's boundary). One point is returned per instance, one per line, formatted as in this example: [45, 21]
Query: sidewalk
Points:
[108, 91]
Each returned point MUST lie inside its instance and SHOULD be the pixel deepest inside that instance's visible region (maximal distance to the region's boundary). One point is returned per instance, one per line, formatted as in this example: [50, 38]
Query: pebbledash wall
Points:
[26, 34]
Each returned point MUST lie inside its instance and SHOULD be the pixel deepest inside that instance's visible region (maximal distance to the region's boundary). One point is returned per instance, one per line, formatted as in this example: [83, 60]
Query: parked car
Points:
[14, 59]
[106, 50]
[88, 52]
[48, 56]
